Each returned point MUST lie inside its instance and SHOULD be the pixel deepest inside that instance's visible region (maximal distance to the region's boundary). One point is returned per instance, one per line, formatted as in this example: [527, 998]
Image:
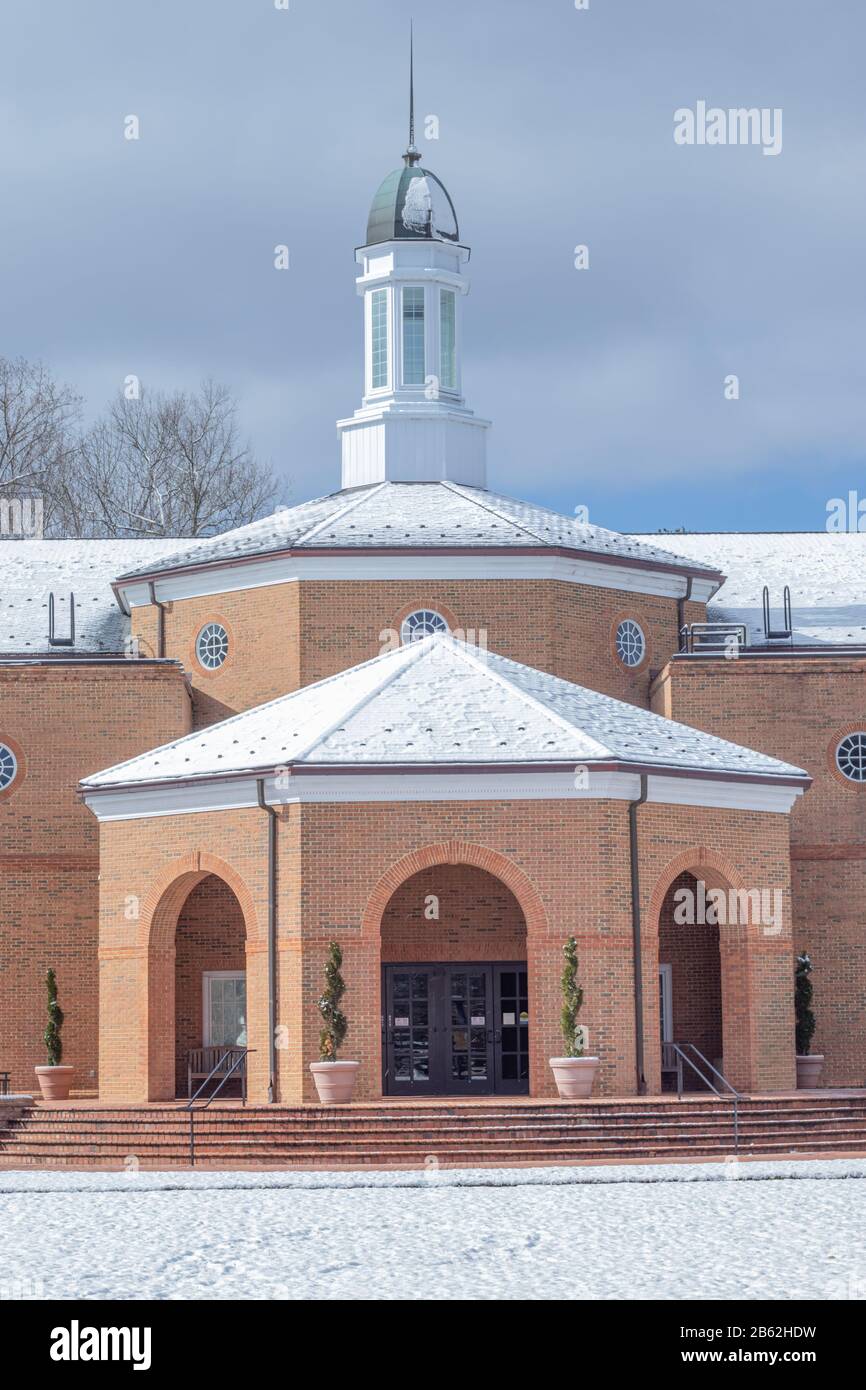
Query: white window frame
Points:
[852, 781]
[454, 388]
[666, 995]
[10, 752]
[207, 977]
[389, 333]
[212, 623]
[425, 323]
[406, 637]
[629, 665]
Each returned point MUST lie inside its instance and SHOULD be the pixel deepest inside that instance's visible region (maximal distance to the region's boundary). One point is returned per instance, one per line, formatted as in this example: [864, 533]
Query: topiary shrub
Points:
[51, 1036]
[336, 1025]
[572, 1002]
[802, 1001]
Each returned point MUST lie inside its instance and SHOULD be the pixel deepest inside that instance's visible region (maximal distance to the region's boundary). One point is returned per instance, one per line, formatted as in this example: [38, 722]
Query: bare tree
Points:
[39, 418]
[165, 465]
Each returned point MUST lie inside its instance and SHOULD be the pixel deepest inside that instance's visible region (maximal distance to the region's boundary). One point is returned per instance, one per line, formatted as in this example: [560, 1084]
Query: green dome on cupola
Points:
[411, 204]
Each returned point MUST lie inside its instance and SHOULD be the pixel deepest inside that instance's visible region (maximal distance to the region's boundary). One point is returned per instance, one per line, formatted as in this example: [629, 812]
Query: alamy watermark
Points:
[846, 514]
[736, 125]
[22, 516]
[702, 906]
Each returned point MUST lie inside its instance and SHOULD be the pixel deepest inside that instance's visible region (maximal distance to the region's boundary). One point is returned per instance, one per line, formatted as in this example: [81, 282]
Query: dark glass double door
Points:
[455, 1029]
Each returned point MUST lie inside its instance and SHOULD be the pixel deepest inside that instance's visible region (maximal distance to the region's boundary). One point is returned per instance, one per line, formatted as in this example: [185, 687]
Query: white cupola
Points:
[413, 424]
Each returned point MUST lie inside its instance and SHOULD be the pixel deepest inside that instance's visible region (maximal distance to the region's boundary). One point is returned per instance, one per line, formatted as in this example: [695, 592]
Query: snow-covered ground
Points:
[754, 1230]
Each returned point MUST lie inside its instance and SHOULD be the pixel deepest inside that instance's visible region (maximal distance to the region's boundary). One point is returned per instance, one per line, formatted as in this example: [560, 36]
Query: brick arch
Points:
[702, 863]
[161, 909]
[737, 1019]
[456, 852]
[173, 885]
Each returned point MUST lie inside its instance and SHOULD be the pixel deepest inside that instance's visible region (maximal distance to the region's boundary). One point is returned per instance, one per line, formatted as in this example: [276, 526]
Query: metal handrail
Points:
[243, 1053]
[784, 634]
[733, 1093]
[711, 637]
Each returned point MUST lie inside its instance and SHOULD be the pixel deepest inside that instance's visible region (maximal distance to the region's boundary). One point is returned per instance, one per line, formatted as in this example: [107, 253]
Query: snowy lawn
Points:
[757, 1230]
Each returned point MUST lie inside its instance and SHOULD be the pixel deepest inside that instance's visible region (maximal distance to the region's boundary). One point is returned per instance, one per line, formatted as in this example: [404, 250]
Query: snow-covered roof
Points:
[32, 569]
[826, 572]
[416, 516]
[440, 702]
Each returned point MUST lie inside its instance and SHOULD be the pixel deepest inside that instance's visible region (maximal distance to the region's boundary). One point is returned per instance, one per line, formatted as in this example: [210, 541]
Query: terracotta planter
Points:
[55, 1082]
[809, 1070]
[574, 1076]
[335, 1081]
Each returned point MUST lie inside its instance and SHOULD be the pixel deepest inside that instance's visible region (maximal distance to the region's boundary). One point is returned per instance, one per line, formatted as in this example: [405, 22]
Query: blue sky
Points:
[262, 126]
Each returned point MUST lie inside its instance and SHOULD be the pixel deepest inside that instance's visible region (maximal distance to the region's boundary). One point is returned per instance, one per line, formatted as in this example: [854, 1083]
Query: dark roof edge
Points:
[85, 659]
[824, 649]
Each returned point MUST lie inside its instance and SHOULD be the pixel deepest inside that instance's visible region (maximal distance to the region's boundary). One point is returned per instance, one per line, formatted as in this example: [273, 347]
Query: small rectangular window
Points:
[448, 340]
[413, 335]
[379, 319]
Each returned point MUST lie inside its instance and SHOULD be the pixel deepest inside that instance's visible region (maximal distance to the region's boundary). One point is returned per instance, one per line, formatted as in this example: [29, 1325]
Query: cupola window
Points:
[448, 340]
[413, 335]
[379, 328]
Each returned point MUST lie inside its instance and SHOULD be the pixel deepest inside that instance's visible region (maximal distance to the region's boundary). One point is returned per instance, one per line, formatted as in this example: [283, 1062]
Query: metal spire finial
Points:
[412, 156]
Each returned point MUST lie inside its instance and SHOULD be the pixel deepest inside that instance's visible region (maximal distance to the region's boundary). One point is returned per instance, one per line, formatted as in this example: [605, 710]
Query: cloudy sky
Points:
[261, 126]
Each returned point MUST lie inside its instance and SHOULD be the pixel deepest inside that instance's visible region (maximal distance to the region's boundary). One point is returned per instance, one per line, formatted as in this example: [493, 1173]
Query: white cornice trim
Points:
[256, 573]
[190, 798]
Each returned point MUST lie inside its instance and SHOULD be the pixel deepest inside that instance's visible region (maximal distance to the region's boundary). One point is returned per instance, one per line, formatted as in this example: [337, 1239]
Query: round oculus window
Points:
[424, 622]
[630, 642]
[851, 757]
[8, 766]
[212, 646]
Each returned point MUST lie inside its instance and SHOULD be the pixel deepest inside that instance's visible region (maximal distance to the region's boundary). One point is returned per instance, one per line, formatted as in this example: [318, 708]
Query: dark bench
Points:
[201, 1061]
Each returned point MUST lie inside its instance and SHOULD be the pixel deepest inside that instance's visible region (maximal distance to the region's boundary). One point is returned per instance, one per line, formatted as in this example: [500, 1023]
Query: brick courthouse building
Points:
[448, 729]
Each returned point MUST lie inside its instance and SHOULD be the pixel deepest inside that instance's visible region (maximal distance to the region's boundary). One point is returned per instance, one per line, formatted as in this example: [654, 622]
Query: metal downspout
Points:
[681, 613]
[272, 937]
[637, 955]
[160, 622]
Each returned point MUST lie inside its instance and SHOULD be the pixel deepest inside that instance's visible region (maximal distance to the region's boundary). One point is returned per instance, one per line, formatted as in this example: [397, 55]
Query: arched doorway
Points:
[210, 978]
[454, 985]
[198, 932]
[690, 978]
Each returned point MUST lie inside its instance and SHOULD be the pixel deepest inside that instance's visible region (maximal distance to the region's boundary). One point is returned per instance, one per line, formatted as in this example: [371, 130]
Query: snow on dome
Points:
[411, 202]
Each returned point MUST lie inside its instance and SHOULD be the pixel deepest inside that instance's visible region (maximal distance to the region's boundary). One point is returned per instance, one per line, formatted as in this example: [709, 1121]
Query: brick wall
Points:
[287, 635]
[797, 709]
[339, 867]
[263, 660]
[68, 721]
